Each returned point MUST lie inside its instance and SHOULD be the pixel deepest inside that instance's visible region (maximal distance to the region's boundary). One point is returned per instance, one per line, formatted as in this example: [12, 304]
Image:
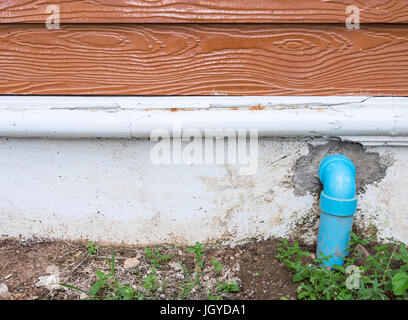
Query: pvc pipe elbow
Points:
[337, 174]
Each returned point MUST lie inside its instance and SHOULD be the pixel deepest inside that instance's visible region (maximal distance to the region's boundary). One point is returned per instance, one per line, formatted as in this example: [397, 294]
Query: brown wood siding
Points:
[204, 11]
[207, 59]
[268, 47]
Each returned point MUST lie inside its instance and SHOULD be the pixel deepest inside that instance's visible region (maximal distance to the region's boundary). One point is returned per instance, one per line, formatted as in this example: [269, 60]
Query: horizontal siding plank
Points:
[203, 11]
[207, 59]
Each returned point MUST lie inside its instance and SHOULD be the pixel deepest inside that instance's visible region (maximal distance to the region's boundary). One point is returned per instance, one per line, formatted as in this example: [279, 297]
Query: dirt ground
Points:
[253, 266]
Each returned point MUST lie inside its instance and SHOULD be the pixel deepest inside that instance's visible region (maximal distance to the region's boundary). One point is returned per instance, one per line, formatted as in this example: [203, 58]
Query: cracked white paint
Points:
[125, 117]
[109, 191]
[383, 205]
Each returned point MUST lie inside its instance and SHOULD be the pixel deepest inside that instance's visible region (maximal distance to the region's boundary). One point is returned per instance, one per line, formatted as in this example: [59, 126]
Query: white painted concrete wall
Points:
[109, 191]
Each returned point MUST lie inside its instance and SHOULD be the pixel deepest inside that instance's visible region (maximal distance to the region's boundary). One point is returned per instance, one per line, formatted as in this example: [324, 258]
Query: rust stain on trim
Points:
[257, 107]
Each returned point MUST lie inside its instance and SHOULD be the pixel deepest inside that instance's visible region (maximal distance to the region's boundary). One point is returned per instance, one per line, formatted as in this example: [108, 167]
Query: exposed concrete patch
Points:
[370, 167]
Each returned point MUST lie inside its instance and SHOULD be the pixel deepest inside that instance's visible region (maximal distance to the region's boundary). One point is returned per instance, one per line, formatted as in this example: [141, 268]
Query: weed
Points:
[380, 276]
[105, 280]
[136, 272]
[187, 285]
[197, 249]
[164, 286]
[92, 249]
[107, 287]
[217, 266]
[128, 293]
[150, 282]
[156, 258]
[226, 287]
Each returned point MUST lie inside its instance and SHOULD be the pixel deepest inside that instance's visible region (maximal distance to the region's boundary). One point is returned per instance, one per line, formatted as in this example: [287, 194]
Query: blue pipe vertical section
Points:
[338, 204]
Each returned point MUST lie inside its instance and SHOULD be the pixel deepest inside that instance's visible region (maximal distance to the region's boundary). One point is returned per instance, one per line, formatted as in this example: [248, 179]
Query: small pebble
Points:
[4, 293]
[175, 266]
[131, 263]
[180, 276]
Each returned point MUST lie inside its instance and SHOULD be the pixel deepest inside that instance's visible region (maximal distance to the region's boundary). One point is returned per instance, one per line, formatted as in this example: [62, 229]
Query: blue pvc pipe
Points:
[338, 204]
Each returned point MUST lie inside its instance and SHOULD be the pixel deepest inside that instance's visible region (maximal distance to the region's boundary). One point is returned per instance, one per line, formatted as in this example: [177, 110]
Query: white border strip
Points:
[137, 117]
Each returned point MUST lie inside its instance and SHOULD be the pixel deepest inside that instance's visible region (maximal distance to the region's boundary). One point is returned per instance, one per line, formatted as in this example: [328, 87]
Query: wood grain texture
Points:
[204, 11]
[207, 59]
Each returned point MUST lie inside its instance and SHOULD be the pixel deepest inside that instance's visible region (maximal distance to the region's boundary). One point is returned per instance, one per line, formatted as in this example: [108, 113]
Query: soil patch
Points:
[252, 266]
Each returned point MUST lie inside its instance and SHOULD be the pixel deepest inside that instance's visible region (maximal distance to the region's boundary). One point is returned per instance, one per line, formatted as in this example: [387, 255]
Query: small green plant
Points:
[136, 272]
[128, 293]
[210, 297]
[105, 280]
[92, 249]
[197, 249]
[107, 287]
[217, 266]
[400, 278]
[187, 285]
[150, 282]
[228, 286]
[156, 258]
[380, 276]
